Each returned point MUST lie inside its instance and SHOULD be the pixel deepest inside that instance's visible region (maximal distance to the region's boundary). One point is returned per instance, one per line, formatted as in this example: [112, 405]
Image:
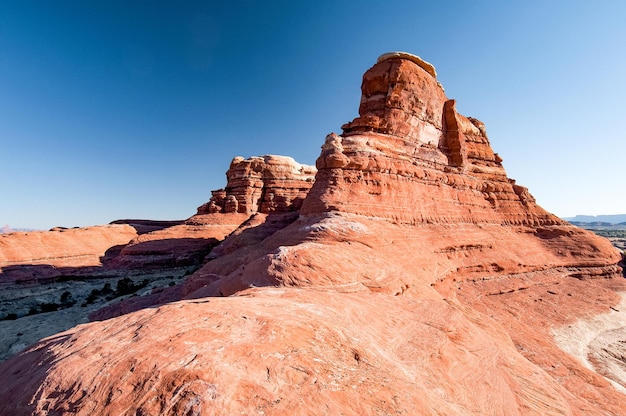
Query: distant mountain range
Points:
[598, 219]
[6, 229]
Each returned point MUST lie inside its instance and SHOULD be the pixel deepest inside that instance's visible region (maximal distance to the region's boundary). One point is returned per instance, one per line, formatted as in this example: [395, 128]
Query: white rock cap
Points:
[426, 66]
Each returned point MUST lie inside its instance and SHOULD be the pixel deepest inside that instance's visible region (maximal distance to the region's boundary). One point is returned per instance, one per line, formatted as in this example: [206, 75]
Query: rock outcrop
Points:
[411, 165]
[265, 184]
[415, 278]
[410, 157]
[57, 248]
[258, 185]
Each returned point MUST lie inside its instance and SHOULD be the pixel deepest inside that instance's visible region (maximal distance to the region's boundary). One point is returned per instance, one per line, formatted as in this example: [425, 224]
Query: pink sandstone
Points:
[62, 246]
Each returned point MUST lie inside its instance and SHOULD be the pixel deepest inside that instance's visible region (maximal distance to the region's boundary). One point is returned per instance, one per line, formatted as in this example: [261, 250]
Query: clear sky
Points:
[134, 109]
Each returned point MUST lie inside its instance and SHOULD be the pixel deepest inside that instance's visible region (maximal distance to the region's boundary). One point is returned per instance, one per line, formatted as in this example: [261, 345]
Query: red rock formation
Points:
[417, 279]
[61, 247]
[180, 245]
[411, 160]
[266, 184]
[290, 352]
[410, 157]
[263, 184]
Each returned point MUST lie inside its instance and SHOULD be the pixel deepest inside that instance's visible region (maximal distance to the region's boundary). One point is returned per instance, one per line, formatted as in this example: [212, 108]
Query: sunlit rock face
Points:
[414, 278]
[60, 247]
[264, 184]
[267, 184]
[411, 157]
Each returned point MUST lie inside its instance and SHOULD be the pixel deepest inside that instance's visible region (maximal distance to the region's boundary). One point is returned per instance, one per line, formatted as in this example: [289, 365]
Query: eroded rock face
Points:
[264, 184]
[184, 244]
[292, 351]
[420, 178]
[267, 184]
[410, 157]
[416, 278]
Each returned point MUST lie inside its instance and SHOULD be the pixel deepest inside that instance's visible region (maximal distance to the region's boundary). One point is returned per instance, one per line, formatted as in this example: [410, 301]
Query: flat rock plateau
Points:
[404, 274]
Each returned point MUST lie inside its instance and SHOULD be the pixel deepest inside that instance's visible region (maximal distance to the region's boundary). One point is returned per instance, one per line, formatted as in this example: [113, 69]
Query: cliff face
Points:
[410, 157]
[428, 176]
[264, 184]
[415, 278]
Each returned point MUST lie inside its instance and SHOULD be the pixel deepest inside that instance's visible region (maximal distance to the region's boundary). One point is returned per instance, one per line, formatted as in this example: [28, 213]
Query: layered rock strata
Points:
[262, 185]
[410, 157]
[29, 254]
[415, 279]
[430, 175]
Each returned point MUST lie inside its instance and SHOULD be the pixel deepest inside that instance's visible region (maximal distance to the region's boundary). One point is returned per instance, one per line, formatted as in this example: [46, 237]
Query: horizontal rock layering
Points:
[60, 247]
[258, 185]
[411, 157]
[262, 184]
[413, 277]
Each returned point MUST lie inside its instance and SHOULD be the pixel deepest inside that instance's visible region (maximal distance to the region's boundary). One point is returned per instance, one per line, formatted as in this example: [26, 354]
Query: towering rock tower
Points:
[410, 157]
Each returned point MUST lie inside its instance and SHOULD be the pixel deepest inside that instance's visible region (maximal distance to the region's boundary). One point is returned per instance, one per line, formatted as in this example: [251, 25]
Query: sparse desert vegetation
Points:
[29, 312]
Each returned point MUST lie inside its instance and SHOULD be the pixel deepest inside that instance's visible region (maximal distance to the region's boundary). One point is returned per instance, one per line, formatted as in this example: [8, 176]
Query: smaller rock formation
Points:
[263, 184]
[181, 245]
[267, 184]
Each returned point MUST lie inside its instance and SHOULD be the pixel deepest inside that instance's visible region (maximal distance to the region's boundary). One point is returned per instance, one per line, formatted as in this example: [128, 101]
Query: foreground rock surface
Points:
[293, 351]
[415, 278]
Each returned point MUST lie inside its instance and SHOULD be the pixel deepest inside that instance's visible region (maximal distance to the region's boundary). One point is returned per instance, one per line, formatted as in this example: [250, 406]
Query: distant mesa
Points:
[607, 219]
[593, 224]
[405, 273]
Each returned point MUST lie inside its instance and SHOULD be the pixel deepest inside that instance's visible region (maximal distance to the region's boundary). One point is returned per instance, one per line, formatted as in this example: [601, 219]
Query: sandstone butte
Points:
[413, 277]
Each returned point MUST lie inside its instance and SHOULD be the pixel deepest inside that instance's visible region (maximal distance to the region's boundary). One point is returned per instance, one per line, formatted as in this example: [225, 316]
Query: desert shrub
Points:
[106, 289]
[93, 296]
[126, 286]
[49, 307]
[67, 300]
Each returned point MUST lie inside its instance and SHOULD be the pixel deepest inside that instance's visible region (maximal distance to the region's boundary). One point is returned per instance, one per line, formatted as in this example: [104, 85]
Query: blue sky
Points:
[134, 109]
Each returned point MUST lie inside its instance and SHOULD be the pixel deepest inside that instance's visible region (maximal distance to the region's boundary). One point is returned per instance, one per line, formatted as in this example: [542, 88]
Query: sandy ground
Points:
[599, 343]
